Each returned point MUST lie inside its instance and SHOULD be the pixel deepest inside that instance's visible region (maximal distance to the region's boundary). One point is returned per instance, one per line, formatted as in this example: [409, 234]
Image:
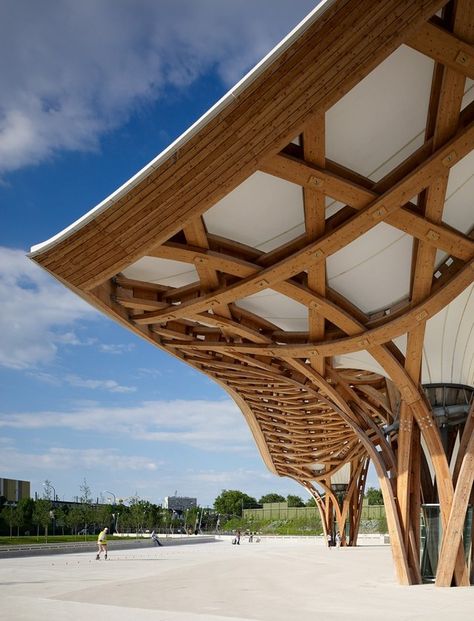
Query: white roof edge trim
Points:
[190, 132]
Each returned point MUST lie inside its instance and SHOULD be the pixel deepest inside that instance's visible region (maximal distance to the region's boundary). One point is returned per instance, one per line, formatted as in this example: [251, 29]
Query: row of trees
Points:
[233, 502]
[47, 515]
[30, 516]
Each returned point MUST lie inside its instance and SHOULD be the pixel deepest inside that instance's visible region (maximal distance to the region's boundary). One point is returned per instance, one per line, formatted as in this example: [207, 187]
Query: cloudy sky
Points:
[91, 92]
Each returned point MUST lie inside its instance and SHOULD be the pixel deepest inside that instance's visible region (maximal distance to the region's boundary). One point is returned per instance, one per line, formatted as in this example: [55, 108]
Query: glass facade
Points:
[431, 537]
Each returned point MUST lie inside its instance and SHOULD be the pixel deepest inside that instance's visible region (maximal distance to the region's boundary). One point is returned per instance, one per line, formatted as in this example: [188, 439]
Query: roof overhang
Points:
[310, 237]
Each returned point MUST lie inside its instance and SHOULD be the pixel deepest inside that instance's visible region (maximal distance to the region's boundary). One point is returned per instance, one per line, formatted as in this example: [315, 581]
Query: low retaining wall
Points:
[362, 540]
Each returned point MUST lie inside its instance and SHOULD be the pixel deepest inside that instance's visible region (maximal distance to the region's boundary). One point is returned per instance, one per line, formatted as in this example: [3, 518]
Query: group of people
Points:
[102, 542]
[252, 537]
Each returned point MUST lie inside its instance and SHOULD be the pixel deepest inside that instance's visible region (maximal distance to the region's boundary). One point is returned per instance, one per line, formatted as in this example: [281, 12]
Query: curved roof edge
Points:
[190, 132]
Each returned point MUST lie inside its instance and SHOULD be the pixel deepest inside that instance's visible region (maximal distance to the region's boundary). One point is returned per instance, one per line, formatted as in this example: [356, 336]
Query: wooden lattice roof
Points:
[308, 243]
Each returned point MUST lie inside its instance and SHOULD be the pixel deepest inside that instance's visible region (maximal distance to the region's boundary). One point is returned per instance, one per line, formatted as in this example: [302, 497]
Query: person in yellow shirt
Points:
[102, 543]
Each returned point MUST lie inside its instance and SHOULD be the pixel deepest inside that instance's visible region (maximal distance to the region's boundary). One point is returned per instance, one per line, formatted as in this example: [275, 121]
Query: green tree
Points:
[60, 516]
[74, 518]
[271, 497]
[150, 514]
[138, 513]
[294, 501]
[374, 496]
[25, 509]
[42, 515]
[125, 520]
[103, 515]
[232, 502]
[191, 519]
[86, 508]
[154, 517]
[10, 517]
[310, 502]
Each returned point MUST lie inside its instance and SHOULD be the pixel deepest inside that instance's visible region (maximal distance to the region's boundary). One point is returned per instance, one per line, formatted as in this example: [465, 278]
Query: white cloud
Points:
[46, 378]
[229, 478]
[13, 460]
[94, 384]
[37, 313]
[127, 475]
[70, 338]
[115, 349]
[73, 70]
[206, 484]
[208, 425]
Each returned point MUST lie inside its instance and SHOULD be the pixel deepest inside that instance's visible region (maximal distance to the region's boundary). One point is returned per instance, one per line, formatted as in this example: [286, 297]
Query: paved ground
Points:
[275, 580]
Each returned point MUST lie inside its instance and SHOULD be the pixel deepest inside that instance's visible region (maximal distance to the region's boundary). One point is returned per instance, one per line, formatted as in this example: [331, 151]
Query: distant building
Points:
[179, 503]
[14, 490]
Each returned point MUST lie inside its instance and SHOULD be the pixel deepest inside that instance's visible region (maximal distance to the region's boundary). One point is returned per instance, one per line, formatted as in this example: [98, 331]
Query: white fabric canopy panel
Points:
[373, 272]
[162, 271]
[279, 309]
[382, 120]
[263, 212]
[448, 355]
[360, 360]
[459, 204]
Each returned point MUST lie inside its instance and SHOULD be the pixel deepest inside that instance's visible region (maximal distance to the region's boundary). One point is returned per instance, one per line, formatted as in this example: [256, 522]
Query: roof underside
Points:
[319, 221]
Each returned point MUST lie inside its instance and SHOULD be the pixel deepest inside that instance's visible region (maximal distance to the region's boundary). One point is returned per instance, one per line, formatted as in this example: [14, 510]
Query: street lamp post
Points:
[114, 515]
[51, 513]
[112, 494]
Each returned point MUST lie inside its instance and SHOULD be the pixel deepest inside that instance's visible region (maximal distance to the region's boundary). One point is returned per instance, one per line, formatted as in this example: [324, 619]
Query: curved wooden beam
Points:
[354, 195]
[368, 339]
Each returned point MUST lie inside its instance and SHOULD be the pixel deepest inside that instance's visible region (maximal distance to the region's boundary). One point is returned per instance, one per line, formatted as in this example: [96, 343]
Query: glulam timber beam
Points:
[309, 176]
[444, 47]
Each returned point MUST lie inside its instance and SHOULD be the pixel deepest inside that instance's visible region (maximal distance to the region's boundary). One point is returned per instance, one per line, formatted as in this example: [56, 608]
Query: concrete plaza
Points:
[274, 580]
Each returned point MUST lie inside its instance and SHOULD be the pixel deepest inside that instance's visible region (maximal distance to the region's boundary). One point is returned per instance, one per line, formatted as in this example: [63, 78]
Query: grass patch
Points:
[33, 539]
[293, 526]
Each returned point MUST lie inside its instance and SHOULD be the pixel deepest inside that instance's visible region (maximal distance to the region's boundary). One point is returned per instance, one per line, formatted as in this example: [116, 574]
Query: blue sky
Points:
[91, 92]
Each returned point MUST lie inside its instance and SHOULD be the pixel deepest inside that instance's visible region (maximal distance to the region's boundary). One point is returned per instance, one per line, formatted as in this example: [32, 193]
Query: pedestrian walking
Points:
[154, 538]
[102, 543]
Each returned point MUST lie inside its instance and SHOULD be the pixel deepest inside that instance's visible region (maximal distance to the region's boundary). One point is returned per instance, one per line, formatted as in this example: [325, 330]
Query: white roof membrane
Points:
[448, 354]
[162, 272]
[364, 130]
[278, 309]
[263, 212]
[373, 271]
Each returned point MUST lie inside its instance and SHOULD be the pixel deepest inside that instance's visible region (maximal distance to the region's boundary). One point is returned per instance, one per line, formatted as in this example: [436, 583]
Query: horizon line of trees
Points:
[47, 513]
